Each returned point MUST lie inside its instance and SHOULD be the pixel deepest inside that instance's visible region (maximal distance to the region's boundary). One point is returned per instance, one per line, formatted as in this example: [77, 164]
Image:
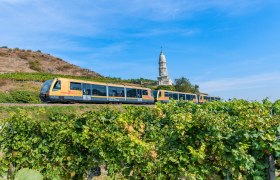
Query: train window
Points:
[182, 96]
[139, 93]
[159, 94]
[86, 89]
[131, 93]
[98, 90]
[170, 95]
[166, 94]
[75, 86]
[175, 96]
[116, 91]
[145, 92]
[57, 86]
[188, 97]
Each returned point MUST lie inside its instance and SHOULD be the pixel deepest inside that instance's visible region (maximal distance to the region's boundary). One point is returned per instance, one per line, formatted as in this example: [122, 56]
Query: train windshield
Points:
[46, 86]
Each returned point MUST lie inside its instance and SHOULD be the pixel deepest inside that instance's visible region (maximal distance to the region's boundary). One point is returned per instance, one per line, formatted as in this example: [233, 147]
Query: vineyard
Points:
[215, 140]
[41, 77]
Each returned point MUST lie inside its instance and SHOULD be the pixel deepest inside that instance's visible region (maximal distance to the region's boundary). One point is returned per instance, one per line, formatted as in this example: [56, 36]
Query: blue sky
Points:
[230, 48]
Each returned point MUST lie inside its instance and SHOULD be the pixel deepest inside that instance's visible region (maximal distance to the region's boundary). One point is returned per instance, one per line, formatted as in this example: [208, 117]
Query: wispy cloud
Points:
[247, 82]
[51, 19]
[170, 31]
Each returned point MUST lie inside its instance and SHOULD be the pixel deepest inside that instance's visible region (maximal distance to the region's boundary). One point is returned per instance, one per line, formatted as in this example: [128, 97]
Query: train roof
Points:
[203, 94]
[176, 92]
[101, 83]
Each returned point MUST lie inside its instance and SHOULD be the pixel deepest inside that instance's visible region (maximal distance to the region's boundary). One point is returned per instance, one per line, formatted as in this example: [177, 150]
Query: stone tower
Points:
[163, 78]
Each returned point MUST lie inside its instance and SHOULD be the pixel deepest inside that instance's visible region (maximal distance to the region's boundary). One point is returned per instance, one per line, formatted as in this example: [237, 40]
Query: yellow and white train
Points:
[63, 90]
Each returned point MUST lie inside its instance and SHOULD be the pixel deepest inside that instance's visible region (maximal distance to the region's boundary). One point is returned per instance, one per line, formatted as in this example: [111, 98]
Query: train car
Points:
[166, 96]
[214, 98]
[71, 90]
[202, 98]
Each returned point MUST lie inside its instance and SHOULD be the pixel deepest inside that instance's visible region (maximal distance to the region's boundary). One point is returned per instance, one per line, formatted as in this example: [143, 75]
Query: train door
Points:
[139, 95]
[86, 92]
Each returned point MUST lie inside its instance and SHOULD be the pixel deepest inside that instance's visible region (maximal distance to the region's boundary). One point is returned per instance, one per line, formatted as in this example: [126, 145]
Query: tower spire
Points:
[163, 78]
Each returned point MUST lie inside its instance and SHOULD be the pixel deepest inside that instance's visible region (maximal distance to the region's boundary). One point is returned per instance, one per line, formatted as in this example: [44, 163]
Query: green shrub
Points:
[164, 87]
[25, 96]
[28, 174]
[6, 98]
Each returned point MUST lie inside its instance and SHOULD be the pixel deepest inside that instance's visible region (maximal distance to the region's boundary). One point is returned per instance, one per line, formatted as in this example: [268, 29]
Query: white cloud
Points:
[249, 82]
[251, 87]
[159, 32]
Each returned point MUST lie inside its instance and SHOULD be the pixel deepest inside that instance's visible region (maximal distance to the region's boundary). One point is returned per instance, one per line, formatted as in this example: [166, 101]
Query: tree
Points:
[184, 85]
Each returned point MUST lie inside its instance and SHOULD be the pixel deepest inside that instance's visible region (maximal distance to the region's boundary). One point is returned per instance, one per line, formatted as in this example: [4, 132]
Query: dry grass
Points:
[23, 55]
[16, 85]
[3, 82]
[64, 67]
[17, 60]
[35, 65]
[2, 54]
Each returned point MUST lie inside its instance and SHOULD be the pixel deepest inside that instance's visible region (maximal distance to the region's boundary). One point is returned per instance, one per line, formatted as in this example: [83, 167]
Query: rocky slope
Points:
[19, 60]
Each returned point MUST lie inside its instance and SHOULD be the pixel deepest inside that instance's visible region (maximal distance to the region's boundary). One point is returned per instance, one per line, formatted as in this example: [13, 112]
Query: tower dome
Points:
[162, 57]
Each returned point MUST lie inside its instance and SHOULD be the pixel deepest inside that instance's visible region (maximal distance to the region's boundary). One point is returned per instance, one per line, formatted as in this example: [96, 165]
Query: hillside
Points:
[27, 61]
[23, 71]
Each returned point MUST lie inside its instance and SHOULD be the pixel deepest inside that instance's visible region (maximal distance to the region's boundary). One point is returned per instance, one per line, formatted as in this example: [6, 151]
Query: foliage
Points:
[25, 96]
[165, 87]
[146, 82]
[28, 174]
[178, 140]
[41, 77]
[183, 85]
[6, 98]
[276, 107]
[18, 96]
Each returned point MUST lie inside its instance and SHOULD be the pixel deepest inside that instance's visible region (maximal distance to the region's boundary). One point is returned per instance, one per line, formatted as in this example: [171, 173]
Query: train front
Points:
[45, 91]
